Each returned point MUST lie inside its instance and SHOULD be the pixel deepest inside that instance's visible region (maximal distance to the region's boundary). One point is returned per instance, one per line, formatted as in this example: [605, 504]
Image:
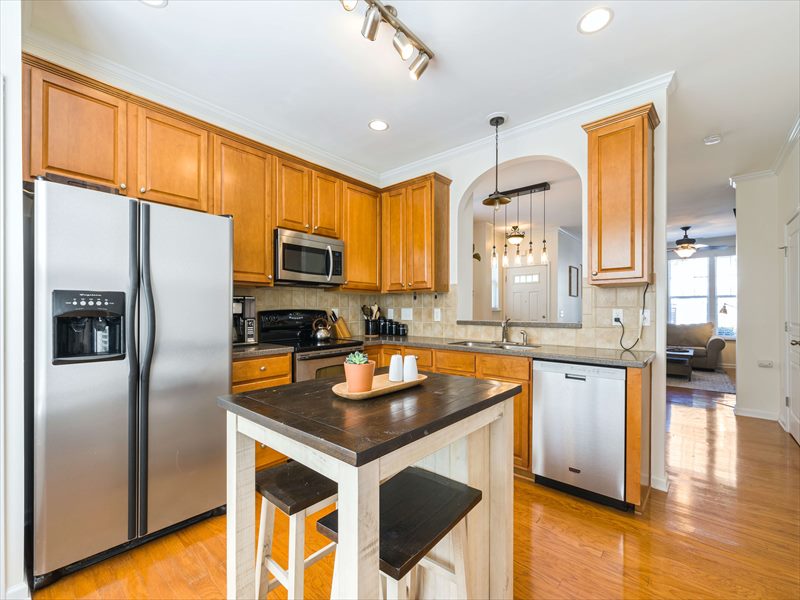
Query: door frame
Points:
[783, 413]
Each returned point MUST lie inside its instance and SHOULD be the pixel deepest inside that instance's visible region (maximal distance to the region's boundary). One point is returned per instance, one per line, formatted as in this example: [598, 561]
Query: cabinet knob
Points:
[122, 186]
[316, 227]
[142, 190]
[262, 368]
[269, 276]
[594, 273]
[262, 445]
[307, 226]
[346, 282]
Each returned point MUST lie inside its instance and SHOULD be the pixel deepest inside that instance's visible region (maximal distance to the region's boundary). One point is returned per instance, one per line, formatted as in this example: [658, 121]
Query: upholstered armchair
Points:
[700, 338]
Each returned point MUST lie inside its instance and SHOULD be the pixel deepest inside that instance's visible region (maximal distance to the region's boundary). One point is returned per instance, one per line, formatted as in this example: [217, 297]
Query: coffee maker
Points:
[244, 320]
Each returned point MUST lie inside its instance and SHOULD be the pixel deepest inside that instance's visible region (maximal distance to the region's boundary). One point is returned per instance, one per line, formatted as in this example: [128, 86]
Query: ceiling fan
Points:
[687, 246]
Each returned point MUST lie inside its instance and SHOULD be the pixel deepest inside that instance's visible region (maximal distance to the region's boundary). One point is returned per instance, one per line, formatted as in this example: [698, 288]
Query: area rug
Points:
[711, 381]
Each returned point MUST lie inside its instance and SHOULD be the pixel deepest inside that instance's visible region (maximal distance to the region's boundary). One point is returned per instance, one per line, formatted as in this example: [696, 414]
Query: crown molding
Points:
[791, 140]
[752, 175]
[666, 81]
[113, 73]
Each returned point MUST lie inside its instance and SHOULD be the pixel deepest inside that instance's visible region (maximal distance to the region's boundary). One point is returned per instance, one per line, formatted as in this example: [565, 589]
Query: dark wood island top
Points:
[357, 432]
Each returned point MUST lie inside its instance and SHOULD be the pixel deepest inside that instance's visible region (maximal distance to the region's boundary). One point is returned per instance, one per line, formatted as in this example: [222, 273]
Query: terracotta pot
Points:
[359, 377]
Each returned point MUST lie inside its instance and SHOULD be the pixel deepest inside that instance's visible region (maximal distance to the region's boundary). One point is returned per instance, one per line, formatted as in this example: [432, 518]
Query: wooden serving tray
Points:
[380, 386]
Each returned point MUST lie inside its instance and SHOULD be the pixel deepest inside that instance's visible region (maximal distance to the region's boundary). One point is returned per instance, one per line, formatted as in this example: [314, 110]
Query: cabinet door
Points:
[172, 161]
[243, 189]
[77, 131]
[361, 228]
[394, 240]
[620, 197]
[326, 205]
[293, 200]
[522, 427]
[419, 236]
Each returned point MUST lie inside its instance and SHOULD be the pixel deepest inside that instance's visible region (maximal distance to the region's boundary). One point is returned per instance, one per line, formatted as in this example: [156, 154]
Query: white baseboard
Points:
[755, 413]
[660, 483]
[19, 591]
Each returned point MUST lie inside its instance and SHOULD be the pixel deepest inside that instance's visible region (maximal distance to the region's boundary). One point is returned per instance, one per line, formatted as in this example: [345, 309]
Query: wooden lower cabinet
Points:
[254, 374]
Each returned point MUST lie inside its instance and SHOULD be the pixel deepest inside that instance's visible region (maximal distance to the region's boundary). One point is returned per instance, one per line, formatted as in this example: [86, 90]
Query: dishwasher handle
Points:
[575, 377]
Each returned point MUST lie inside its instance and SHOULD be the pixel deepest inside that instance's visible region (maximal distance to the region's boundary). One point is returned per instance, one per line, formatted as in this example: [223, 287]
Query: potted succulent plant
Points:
[359, 370]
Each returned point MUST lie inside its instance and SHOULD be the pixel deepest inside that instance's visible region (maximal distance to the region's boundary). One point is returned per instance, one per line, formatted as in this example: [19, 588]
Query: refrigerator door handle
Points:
[149, 337]
[131, 334]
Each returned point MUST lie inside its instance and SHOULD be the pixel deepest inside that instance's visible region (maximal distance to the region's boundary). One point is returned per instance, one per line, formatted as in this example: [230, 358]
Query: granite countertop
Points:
[607, 357]
[258, 350]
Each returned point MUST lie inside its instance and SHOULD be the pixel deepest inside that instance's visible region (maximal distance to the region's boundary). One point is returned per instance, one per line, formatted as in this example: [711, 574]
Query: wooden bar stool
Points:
[417, 509]
[297, 491]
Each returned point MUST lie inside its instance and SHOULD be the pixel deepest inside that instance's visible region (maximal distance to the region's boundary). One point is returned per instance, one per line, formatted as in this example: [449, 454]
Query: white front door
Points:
[527, 293]
[792, 360]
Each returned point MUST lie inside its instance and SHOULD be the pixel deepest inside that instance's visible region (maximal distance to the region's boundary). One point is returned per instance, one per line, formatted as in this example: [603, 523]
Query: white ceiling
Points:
[303, 71]
[563, 198]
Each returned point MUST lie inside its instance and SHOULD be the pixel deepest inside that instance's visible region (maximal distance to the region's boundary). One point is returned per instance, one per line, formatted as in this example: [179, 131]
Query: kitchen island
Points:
[456, 426]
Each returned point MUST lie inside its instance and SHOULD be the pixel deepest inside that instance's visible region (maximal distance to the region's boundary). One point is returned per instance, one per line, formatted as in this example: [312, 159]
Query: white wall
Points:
[560, 136]
[758, 296]
[568, 308]
[482, 272]
[12, 574]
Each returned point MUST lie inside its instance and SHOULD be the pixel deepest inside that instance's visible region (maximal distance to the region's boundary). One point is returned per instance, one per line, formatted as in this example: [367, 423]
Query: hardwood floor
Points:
[729, 527]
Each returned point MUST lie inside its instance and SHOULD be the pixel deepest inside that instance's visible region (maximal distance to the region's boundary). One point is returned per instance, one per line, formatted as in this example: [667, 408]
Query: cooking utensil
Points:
[322, 329]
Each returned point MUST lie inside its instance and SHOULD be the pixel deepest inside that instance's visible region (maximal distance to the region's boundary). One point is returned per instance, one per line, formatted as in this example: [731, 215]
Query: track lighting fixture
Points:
[404, 40]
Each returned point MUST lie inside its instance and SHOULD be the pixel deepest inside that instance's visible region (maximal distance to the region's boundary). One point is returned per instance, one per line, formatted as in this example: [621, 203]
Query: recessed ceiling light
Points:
[378, 125]
[155, 3]
[595, 20]
[710, 140]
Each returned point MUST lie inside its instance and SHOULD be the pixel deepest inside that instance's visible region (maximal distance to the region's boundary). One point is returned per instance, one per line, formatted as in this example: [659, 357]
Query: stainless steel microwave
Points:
[301, 258]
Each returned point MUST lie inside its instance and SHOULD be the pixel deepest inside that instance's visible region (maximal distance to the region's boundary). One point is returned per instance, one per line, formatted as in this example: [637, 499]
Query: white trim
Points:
[17, 592]
[660, 483]
[752, 175]
[115, 74]
[791, 140]
[666, 80]
[755, 413]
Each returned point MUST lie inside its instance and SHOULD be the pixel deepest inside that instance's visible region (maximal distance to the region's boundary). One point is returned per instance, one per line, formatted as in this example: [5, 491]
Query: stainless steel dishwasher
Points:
[579, 429]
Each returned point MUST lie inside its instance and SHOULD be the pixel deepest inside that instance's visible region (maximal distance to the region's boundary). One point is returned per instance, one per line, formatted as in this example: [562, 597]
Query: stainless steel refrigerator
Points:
[131, 345]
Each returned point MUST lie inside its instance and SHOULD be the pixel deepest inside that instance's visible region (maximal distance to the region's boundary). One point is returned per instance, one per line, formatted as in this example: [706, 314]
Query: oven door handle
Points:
[322, 356]
[330, 262]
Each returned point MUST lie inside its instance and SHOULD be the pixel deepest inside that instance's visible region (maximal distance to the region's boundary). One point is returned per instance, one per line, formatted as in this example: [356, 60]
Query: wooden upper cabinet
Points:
[361, 229]
[419, 236]
[77, 131]
[293, 199]
[621, 197]
[416, 235]
[326, 205]
[243, 188]
[393, 247]
[172, 161]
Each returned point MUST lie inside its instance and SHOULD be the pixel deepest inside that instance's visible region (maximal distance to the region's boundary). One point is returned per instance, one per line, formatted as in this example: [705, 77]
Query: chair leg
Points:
[397, 590]
[264, 547]
[297, 555]
[460, 558]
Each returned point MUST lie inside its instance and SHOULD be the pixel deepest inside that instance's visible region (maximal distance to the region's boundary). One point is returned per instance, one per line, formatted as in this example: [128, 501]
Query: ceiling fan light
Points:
[418, 65]
[402, 44]
[685, 251]
[372, 21]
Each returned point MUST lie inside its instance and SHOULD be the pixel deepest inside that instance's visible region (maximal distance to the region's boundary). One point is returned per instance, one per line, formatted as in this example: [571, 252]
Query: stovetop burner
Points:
[294, 327]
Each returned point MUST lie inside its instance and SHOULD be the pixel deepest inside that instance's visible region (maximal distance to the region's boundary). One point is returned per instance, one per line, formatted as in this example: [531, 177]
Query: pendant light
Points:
[544, 258]
[529, 259]
[515, 236]
[496, 199]
[494, 236]
[505, 244]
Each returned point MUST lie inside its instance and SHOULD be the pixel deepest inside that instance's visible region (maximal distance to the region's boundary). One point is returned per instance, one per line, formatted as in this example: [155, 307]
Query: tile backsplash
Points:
[597, 329]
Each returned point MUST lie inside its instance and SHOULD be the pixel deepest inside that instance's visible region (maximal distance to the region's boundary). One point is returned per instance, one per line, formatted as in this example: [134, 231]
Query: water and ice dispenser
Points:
[88, 326]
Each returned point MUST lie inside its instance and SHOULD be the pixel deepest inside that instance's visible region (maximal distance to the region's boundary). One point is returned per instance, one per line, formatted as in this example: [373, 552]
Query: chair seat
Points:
[293, 487]
[417, 509]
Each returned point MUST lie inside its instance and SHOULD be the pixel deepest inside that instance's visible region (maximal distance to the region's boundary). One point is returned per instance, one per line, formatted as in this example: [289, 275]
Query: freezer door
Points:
[83, 243]
[186, 308]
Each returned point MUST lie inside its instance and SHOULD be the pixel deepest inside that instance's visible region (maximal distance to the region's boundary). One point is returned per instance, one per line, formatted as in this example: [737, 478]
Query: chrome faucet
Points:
[504, 330]
[524, 335]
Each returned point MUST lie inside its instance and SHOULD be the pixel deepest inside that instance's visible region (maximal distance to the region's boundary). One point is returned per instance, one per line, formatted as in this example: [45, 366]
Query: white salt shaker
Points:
[396, 368]
[410, 368]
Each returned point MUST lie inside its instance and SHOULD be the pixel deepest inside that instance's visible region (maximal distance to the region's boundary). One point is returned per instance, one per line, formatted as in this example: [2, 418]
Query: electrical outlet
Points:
[616, 317]
[645, 317]
[406, 314]
[437, 314]
[390, 313]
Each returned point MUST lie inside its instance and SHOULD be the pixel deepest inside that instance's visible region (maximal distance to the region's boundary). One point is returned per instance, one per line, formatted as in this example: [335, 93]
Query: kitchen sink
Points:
[503, 345]
[471, 344]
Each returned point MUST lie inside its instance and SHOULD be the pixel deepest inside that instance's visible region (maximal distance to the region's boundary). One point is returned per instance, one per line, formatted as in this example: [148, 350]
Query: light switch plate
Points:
[390, 313]
[646, 317]
[437, 314]
[616, 314]
[406, 314]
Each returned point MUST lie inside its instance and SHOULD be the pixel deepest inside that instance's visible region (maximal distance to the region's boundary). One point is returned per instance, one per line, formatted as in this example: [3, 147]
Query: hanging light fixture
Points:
[496, 199]
[494, 237]
[529, 259]
[544, 258]
[505, 243]
[516, 236]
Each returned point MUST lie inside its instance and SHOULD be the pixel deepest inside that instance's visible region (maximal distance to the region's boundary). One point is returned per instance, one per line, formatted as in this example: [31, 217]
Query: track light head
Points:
[418, 65]
[402, 45]
[372, 21]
